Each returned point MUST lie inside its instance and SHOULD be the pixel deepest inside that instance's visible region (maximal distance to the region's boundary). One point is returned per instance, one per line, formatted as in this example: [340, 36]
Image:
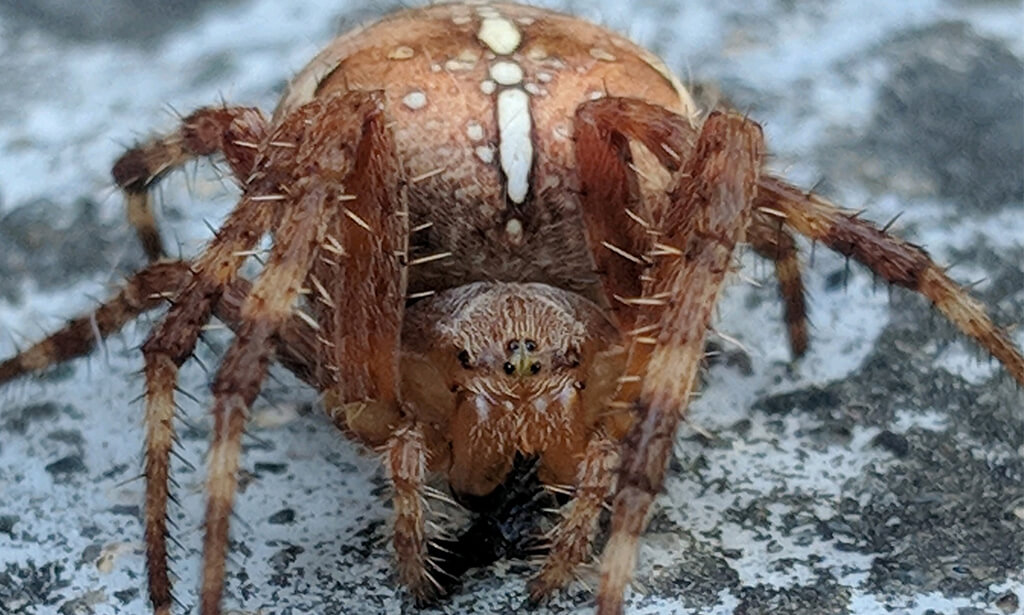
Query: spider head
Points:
[517, 369]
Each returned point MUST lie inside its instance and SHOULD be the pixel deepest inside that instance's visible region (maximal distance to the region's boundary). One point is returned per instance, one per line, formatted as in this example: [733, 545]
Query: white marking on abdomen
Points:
[499, 34]
[507, 73]
[514, 142]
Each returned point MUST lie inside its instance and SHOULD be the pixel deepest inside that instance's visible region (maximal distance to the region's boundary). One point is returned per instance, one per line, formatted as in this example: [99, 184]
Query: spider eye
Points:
[513, 346]
[534, 368]
[531, 345]
[509, 368]
[463, 358]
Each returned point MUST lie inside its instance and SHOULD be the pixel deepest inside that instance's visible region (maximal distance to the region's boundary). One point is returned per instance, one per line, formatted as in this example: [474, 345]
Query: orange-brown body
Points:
[496, 230]
[435, 71]
[436, 68]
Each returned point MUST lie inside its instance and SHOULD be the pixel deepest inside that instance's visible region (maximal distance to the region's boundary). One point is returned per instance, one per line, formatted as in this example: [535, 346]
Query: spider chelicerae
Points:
[477, 254]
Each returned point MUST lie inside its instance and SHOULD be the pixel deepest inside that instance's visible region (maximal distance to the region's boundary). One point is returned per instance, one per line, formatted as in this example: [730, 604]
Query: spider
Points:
[477, 252]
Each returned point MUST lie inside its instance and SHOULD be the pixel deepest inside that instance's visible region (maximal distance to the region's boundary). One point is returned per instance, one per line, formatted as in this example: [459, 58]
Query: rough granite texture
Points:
[884, 473]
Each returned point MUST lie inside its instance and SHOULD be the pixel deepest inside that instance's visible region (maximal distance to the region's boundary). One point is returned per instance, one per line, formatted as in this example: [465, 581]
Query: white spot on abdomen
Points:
[507, 73]
[415, 100]
[515, 146]
[514, 232]
[499, 34]
[485, 153]
[474, 131]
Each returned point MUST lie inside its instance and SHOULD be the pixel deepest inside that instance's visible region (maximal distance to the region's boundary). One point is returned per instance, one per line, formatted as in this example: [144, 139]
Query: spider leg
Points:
[897, 261]
[238, 381]
[623, 240]
[144, 291]
[330, 156]
[662, 283]
[572, 538]
[616, 223]
[234, 131]
[172, 341]
[405, 459]
[168, 346]
[708, 214]
[358, 285]
[772, 241]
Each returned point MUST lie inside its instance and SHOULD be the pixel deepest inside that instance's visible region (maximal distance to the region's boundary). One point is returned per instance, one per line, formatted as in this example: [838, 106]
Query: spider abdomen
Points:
[482, 101]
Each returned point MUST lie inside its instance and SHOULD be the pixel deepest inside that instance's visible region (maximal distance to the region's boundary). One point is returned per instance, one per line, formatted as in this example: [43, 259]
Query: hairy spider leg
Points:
[602, 128]
[570, 542]
[619, 231]
[895, 260]
[770, 239]
[708, 213]
[234, 131]
[328, 137]
[146, 290]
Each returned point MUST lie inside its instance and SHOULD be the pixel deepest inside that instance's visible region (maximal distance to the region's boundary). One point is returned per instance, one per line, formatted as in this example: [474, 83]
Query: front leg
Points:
[405, 458]
[709, 213]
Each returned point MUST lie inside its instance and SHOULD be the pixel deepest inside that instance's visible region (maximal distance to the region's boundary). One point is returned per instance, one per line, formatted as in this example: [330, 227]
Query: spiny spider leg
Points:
[405, 459]
[772, 241]
[622, 236]
[316, 175]
[144, 291]
[168, 346]
[602, 130]
[359, 285]
[897, 261]
[234, 131]
[571, 540]
[172, 341]
[709, 212]
[238, 381]
[615, 217]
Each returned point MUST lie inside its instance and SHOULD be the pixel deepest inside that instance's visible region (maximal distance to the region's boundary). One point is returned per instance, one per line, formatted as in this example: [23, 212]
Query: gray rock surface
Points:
[884, 473]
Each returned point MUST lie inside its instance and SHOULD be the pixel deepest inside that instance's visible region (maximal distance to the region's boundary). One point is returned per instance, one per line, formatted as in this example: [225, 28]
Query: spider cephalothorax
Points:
[479, 252]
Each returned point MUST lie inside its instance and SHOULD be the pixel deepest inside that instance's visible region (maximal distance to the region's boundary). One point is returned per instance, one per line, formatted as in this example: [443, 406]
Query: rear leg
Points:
[234, 131]
[895, 260]
[772, 241]
[146, 290]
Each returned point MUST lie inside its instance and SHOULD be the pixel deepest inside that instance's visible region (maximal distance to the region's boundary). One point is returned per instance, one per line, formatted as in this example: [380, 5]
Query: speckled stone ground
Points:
[884, 473]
